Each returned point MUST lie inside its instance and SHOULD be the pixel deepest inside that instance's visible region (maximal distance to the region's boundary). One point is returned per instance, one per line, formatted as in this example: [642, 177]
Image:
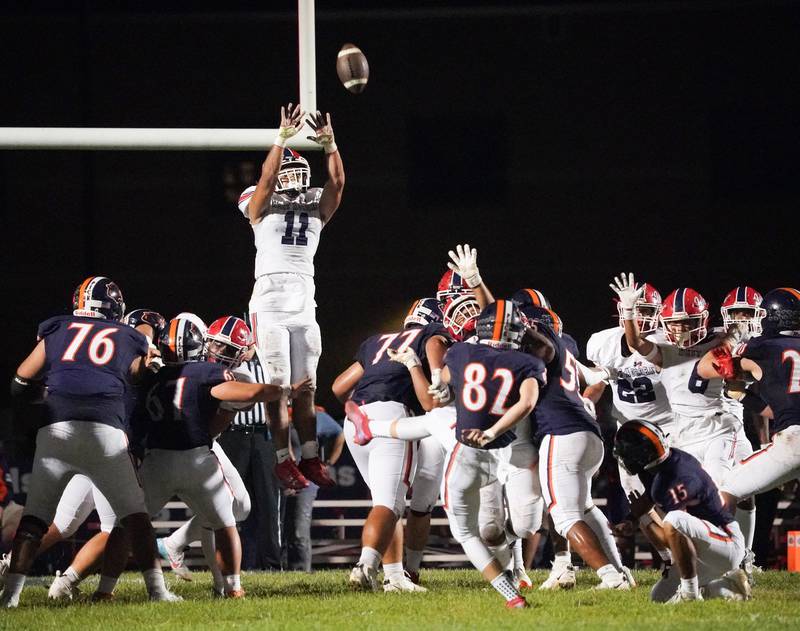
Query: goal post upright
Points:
[184, 139]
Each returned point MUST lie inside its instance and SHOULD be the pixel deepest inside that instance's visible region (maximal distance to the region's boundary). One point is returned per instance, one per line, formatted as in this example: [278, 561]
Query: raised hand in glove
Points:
[323, 131]
[438, 389]
[406, 357]
[465, 262]
[291, 122]
[628, 294]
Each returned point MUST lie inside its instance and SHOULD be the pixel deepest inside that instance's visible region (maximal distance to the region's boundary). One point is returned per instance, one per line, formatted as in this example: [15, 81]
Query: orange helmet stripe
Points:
[173, 334]
[413, 306]
[534, 297]
[82, 292]
[650, 435]
[792, 291]
[499, 316]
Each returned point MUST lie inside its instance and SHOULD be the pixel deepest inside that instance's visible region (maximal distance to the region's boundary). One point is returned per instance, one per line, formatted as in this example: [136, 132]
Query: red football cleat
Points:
[517, 603]
[290, 476]
[235, 593]
[317, 472]
[361, 422]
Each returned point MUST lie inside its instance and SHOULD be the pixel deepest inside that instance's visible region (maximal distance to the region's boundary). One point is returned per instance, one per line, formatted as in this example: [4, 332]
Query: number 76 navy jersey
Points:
[486, 383]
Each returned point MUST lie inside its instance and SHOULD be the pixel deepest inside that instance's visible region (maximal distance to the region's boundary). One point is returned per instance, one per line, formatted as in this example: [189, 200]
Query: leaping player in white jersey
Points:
[287, 217]
[636, 386]
[703, 426]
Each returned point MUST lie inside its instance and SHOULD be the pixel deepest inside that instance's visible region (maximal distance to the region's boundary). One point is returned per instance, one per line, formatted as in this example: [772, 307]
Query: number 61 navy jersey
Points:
[88, 366]
[486, 383]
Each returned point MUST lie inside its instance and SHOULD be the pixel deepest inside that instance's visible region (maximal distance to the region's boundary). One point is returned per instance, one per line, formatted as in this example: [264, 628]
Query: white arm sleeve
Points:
[244, 200]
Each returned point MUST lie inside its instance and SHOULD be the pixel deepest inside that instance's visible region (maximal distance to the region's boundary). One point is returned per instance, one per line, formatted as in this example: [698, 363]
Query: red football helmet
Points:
[452, 285]
[684, 317]
[647, 310]
[459, 316]
[227, 341]
[743, 305]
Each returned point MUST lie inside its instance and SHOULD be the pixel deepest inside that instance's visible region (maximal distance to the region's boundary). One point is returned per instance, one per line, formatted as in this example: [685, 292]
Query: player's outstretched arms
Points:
[464, 262]
[344, 384]
[332, 191]
[628, 293]
[239, 392]
[528, 396]
[291, 121]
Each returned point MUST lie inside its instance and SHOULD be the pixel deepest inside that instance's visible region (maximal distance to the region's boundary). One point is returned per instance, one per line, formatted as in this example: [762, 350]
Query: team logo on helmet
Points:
[423, 312]
[500, 325]
[227, 341]
[742, 305]
[684, 317]
[459, 316]
[146, 316]
[98, 297]
[294, 175]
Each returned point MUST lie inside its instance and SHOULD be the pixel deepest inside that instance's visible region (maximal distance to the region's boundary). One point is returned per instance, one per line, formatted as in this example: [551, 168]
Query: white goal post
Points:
[183, 139]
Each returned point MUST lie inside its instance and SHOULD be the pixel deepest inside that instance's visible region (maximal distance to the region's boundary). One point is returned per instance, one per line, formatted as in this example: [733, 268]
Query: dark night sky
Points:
[566, 141]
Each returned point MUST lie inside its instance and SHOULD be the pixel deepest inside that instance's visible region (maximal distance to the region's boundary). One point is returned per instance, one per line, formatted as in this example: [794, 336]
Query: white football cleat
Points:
[561, 577]
[521, 579]
[619, 582]
[401, 584]
[62, 589]
[738, 583]
[5, 564]
[364, 578]
[165, 597]
[683, 597]
[174, 558]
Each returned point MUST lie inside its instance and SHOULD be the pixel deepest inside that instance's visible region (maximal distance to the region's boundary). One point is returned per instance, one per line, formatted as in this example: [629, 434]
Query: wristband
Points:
[474, 281]
[652, 353]
[331, 148]
[279, 141]
[628, 313]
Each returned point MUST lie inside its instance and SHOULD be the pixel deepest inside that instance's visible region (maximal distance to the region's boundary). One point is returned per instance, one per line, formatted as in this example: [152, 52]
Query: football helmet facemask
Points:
[459, 316]
[647, 309]
[227, 341]
[782, 308]
[98, 297]
[423, 312]
[452, 285]
[684, 317]
[742, 305]
[639, 446]
[294, 175]
[500, 325]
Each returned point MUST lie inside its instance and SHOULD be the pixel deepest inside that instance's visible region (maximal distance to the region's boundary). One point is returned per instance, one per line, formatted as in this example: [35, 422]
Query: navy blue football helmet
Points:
[423, 312]
[500, 325]
[639, 446]
[542, 315]
[98, 297]
[531, 298]
[146, 316]
[181, 341]
[783, 311]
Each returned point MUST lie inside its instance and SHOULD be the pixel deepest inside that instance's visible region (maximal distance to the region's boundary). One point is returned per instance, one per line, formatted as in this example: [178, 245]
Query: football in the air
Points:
[352, 68]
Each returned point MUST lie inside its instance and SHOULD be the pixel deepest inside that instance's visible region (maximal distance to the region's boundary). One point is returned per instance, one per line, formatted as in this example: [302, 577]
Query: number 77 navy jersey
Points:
[486, 384]
[88, 363]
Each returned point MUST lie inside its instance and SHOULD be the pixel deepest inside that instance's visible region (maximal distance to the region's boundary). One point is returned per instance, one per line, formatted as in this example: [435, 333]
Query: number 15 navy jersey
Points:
[779, 360]
[486, 383]
[88, 366]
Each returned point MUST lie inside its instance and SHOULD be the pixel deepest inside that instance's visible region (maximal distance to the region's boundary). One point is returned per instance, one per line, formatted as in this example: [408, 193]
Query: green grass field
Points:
[458, 599]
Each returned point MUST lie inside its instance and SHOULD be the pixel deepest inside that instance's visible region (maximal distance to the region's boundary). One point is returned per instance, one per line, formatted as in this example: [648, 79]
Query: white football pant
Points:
[768, 468]
[80, 498]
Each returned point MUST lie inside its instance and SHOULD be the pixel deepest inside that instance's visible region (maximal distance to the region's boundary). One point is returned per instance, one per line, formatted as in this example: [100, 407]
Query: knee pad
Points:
[31, 528]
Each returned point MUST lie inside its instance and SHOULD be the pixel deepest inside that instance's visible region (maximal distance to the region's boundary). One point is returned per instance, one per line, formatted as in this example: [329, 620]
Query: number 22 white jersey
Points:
[638, 392]
[288, 234]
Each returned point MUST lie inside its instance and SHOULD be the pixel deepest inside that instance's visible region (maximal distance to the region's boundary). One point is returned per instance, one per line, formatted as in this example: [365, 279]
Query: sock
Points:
[562, 559]
[690, 585]
[747, 523]
[282, 455]
[233, 583]
[609, 574]
[505, 587]
[414, 559]
[370, 557]
[309, 450]
[595, 519]
[208, 544]
[183, 536]
[516, 551]
[393, 570]
[405, 430]
[108, 583]
[14, 585]
[72, 576]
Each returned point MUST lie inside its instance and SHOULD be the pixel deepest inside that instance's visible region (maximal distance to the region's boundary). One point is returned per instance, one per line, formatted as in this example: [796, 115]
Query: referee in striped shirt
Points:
[248, 444]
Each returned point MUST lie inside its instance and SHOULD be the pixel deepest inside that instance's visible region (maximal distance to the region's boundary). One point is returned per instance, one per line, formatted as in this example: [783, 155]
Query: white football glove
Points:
[465, 263]
[291, 122]
[407, 357]
[438, 389]
[628, 294]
